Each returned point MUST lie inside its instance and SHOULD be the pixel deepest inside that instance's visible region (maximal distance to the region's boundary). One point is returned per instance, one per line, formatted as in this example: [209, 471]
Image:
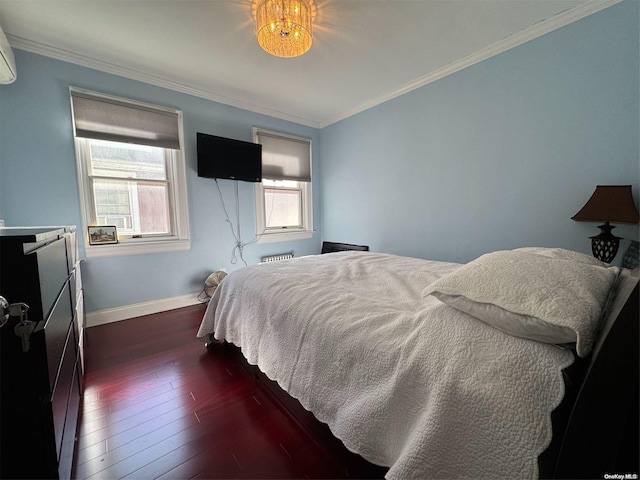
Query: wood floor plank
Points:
[132, 405]
[149, 420]
[150, 388]
[202, 399]
[217, 428]
[214, 462]
[168, 397]
[119, 452]
[170, 401]
[121, 446]
[204, 439]
[158, 404]
[98, 406]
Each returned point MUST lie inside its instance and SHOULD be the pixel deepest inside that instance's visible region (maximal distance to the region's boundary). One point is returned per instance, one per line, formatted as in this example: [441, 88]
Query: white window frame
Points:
[265, 235]
[179, 239]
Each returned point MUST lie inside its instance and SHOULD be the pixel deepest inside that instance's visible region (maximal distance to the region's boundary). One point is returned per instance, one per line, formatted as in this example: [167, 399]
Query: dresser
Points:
[40, 388]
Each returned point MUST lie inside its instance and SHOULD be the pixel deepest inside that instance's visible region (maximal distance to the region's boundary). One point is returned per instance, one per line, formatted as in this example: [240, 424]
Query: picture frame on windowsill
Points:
[103, 235]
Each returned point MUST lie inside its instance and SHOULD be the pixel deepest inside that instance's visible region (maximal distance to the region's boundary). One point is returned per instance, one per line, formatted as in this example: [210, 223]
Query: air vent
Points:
[277, 258]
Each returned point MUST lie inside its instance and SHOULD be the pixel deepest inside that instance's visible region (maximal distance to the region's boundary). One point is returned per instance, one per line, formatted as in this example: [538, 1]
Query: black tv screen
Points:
[220, 157]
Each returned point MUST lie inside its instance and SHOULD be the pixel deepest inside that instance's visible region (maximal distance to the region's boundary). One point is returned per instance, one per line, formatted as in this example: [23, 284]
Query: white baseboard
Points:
[125, 312]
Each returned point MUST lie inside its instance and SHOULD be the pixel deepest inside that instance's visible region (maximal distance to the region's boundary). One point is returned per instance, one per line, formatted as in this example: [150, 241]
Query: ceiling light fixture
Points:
[284, 27]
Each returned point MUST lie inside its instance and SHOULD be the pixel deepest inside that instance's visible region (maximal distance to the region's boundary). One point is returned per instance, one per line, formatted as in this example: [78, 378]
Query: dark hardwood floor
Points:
[158, 404]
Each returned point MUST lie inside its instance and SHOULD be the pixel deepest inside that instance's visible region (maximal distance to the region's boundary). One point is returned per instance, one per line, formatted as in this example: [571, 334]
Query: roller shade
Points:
[285, 158]
[109, 118]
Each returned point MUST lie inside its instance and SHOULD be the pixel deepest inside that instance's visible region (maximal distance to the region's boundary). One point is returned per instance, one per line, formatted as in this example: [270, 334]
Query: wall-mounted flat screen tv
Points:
[220, 157]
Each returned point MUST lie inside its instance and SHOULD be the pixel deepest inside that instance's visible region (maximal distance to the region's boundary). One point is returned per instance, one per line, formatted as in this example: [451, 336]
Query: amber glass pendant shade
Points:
[284, 27]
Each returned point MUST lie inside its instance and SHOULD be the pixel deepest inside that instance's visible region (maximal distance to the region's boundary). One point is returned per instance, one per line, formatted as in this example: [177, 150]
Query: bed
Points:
[433, 369]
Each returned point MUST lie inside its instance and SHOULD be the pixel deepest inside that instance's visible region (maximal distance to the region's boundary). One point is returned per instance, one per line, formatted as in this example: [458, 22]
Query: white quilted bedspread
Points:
[405, 381]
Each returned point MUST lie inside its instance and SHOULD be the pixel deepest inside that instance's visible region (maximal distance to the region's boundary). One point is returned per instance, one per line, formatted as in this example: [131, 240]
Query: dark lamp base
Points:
[605, 245]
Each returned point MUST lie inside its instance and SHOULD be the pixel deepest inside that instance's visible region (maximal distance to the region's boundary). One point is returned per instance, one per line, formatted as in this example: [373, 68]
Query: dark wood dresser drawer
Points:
[33, 270]
[60, 395]
[55, 333]
[52, 272]
[65, 458]
[40, 388]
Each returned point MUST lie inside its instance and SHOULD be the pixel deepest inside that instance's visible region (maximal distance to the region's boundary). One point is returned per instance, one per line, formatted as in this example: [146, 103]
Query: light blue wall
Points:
[38, 180]
[496, 156]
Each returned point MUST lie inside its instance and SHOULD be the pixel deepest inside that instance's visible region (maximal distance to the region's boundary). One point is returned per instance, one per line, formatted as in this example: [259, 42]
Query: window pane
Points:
[282, 208]
[136, 208]
[123, 160]
[153, 206]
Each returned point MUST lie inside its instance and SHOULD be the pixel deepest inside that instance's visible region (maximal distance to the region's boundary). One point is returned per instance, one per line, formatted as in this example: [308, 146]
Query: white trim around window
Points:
[284, 235]
[305, 231]
[178, 237]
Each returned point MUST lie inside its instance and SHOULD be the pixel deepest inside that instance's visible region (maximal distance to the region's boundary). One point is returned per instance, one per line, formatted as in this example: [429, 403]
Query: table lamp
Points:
[609, 203]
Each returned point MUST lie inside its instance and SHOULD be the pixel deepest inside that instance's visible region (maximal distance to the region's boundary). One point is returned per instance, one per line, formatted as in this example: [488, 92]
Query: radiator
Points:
[275, 258]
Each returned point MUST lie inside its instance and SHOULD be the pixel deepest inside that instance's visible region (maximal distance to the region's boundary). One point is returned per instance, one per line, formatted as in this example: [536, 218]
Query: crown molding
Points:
[531, 33]
[111, 68]
[541, 28]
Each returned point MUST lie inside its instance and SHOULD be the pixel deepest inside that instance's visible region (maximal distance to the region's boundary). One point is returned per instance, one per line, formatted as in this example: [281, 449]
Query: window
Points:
[284, 198]
[131, 173]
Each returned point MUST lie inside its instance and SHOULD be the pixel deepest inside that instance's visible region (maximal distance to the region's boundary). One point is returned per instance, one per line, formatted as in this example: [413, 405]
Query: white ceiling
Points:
[364, 51]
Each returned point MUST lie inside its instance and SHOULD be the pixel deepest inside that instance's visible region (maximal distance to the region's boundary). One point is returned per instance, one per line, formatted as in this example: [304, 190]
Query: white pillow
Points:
[564, 254]
[551, 299]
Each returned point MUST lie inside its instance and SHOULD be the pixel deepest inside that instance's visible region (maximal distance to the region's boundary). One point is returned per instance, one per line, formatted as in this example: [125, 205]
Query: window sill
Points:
[285, 236]
[139, 248]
